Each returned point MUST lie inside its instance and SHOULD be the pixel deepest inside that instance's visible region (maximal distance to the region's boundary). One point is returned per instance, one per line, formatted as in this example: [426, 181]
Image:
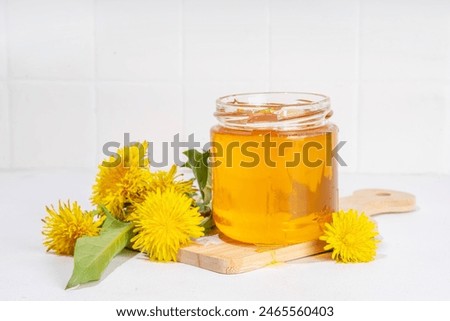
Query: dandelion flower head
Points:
[351, 237]
[168, 179]
[164, 222]
[63, 226]
[123, 180]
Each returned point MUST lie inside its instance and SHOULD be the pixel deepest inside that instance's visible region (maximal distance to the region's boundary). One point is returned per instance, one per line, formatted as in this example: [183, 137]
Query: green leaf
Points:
[198, 162]
[208, 224]
[94, 253]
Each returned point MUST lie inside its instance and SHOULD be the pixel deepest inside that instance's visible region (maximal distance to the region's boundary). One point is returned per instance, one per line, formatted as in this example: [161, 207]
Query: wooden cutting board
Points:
[223, 255]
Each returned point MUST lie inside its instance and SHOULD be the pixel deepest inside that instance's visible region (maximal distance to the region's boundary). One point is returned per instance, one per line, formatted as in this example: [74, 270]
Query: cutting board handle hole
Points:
[383, 194]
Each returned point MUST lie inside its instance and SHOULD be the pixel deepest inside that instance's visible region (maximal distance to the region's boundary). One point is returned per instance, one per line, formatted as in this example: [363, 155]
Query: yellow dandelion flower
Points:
[123, 181]
[64, 226]
[351, 236]
[163, 180]
[164, 222]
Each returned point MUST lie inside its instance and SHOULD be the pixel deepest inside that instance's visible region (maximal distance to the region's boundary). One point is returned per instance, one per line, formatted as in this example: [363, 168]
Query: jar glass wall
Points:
[274, 175]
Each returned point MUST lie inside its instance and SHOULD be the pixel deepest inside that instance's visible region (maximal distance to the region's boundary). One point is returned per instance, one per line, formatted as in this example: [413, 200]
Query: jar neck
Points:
[273, 111]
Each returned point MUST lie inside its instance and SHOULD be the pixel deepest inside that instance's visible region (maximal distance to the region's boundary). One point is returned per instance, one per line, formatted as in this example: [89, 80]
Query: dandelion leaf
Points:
[198, 162]
[94, 253]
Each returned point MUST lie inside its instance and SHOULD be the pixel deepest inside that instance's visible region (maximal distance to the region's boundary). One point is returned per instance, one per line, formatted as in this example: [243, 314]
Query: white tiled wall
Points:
[225, 40]
[5, 153]
[314, 40]
[50, 39]
[138, 40]
[3, 44]
[75, 74]
[52, 124]
[148, 111]
[5, 136]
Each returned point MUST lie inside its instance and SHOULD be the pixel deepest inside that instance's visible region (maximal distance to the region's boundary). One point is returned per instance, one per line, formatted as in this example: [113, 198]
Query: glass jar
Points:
[274, 177]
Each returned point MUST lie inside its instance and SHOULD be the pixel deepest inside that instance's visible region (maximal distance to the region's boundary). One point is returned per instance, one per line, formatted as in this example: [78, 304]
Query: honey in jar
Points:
[274, 179]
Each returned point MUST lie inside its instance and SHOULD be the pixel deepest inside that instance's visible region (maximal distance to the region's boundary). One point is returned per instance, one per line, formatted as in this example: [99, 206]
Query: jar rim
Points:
[321, 101]
[276, 110]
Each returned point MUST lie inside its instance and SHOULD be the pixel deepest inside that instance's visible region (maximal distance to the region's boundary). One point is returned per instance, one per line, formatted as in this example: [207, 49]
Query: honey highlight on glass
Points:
[274, 177]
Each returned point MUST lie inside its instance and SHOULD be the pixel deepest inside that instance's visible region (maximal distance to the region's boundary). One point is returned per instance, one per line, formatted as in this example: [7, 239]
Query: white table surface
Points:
[413, 261]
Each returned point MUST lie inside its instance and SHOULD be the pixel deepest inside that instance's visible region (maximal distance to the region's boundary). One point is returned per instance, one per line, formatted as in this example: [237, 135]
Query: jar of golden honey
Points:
[274, 177]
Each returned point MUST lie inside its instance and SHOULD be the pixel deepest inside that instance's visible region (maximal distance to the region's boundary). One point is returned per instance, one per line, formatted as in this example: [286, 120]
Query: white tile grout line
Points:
[94, 81]
[269, 47]
[182, 70]
[358, 88]
[446, 165]
[87, 81]
[8, 86]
